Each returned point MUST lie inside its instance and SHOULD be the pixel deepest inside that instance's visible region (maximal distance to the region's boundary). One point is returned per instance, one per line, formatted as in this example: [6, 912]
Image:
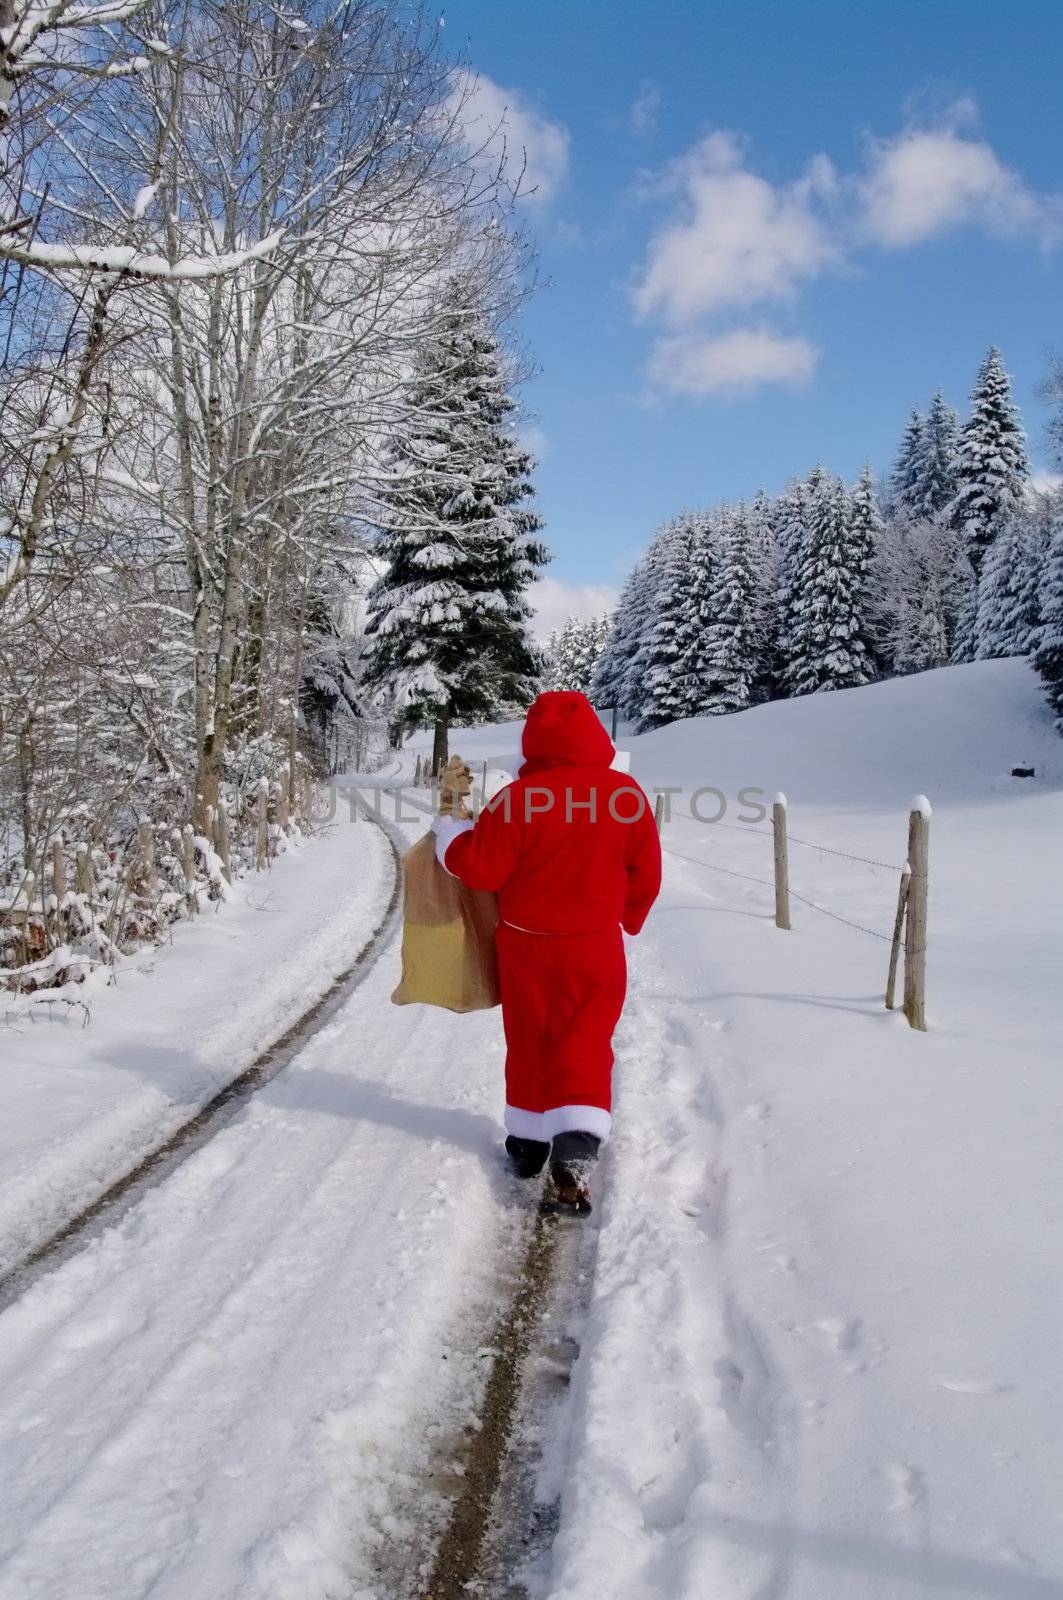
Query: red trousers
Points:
[562, 995]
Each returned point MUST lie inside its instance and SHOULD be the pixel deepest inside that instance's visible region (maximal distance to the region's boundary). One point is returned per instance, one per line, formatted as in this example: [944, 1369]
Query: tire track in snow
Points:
[497, 1523]
[109, 1207]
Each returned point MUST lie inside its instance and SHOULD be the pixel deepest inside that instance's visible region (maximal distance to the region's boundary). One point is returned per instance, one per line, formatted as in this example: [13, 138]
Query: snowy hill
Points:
[956, 733]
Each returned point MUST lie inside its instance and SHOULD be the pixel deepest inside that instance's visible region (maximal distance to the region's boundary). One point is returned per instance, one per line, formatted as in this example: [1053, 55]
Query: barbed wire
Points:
[766, 833]
[766, 883]
[731, 872]
[829, 850]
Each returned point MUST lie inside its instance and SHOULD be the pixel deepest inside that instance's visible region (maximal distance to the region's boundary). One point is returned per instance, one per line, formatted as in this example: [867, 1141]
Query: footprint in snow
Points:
[909, 1484]
[844, 1334]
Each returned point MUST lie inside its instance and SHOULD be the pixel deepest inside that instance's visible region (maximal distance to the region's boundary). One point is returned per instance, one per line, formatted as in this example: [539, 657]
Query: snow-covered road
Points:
[226, 1395]
[85, 1095]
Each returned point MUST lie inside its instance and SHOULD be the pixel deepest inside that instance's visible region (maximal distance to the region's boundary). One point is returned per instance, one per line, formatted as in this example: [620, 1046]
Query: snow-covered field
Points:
[820, 1355]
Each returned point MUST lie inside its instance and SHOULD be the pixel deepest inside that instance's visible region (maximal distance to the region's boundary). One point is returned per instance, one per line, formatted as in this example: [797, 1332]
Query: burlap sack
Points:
[448, 937]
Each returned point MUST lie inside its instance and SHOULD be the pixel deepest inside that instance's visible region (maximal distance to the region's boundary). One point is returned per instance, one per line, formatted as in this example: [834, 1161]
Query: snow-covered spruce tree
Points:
[933, 489]
[656, 578]
[766, 553]
[693, 667]
[662, 696]
[447, 620]
[572, 653]
[1048, 642]
[992, 467]
[832, 632]
[864, 533]
[908, 467]
[792, 529]
[1009, 592]
[733, 644]
[623, 636]
[1000, 625]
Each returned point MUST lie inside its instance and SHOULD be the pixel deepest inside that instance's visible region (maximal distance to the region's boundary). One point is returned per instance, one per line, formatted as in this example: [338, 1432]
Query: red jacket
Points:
[571, 846]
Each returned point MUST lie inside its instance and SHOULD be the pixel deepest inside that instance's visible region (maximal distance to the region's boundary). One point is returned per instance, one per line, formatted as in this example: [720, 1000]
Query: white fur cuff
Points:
[446, 830]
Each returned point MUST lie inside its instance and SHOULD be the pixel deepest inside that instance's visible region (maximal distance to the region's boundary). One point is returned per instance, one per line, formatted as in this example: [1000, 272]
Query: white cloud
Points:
[553, 601]
[500, 124]
[927, 180]
[731, 363]
[644, 109]
[739, 239]
[534, 439]
[1044, 481]
[734, 239]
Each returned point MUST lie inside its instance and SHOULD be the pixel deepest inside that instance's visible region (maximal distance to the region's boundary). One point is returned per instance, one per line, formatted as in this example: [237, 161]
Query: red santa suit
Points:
[571, 849]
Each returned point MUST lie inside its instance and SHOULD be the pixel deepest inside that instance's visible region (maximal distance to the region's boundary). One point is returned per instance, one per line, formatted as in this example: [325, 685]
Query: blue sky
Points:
[771, 227]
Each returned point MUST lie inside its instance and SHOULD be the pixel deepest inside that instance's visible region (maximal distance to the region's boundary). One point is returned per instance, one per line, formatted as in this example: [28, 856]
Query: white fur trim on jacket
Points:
[446, 830]
[546, 1125]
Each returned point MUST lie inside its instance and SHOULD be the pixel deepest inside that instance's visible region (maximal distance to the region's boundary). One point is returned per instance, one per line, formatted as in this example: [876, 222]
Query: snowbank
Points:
[84, 1094]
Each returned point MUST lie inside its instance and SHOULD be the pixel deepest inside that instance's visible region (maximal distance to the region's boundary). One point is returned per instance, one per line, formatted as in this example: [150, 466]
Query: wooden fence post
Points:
[782, 863]
[898, 928]
[915, 923]
[262, 826]
[658, 812]
[417, 774]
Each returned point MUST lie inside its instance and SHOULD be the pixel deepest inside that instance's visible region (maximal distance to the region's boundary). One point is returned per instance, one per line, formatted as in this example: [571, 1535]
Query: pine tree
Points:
[1009, 591]
[447, 622]
[1000, 629]
[908, 468]
[864, 533]
[572, 653]
[733, 635]
[934, 487]
[652, 575]
[1048, 641]
[766, 554]
[693, 668]
[991, 462]
[832, 630]
[657, 663]
[624, 632]
[791, 526]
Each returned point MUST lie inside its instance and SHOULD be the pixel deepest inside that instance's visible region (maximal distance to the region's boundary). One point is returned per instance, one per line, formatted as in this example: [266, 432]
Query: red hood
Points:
[563, 730]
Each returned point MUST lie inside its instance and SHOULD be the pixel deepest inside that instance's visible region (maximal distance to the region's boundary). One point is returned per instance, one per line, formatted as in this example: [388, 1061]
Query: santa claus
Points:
[571, 848]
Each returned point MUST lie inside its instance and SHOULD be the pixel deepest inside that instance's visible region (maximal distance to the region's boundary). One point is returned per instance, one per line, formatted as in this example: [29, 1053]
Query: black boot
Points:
[527, 1155]
[571, 1164]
